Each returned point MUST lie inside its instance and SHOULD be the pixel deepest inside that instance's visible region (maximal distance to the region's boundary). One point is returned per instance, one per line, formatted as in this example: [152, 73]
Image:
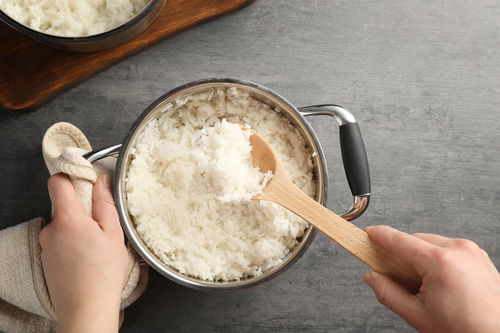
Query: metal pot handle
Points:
[98, 154]
[353, 155]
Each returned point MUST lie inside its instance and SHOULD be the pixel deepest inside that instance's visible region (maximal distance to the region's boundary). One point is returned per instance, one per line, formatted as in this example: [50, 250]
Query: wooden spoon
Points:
[282, 191]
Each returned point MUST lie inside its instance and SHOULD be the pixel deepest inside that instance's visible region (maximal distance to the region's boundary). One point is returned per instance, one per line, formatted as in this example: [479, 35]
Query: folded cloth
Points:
[25, 304]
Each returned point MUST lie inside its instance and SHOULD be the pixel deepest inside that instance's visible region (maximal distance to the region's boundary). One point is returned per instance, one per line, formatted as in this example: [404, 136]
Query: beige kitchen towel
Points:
[24, 300]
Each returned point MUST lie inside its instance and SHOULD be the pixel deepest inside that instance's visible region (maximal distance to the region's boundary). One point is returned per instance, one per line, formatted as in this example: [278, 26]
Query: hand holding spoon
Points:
[282, 191]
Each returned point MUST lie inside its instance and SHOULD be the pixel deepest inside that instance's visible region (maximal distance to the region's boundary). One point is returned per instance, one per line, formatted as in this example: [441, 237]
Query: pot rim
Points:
[48, 38]
[149, 256]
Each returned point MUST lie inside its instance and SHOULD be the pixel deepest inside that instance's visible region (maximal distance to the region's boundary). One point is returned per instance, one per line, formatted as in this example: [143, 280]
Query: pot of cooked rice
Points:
[180, 188]
[80, 25]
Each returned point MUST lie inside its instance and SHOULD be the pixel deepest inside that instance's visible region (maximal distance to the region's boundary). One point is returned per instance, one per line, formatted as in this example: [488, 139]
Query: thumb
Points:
[396, 298]
[103, 203]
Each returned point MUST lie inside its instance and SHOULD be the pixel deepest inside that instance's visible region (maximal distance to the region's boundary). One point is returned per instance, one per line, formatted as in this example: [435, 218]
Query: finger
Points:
[103, 203]
[435, 239]
[409, 249]
[395, 297]
[489, 263]
[63, 196]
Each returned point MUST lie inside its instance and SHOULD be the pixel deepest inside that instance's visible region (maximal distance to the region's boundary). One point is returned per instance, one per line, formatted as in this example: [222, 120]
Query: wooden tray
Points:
[32, 73]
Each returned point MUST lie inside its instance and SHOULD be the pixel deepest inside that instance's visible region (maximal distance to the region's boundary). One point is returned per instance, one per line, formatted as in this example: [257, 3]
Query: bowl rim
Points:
[42, 36]
[143, 249]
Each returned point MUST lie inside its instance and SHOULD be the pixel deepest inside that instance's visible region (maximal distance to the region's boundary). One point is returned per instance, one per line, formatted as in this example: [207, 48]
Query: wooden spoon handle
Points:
[346, 234]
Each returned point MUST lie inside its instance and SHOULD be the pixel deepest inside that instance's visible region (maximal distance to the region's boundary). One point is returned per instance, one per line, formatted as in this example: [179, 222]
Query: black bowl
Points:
[105, 40]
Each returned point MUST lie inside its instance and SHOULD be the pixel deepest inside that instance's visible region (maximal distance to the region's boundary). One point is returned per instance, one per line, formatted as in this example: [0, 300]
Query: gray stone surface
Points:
[422, 77]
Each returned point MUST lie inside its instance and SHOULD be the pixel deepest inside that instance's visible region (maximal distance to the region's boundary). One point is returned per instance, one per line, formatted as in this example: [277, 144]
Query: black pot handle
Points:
[353, 155]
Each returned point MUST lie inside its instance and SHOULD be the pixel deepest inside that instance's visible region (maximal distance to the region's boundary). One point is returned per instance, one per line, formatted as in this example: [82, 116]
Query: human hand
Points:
[84, 259]
[460, 289]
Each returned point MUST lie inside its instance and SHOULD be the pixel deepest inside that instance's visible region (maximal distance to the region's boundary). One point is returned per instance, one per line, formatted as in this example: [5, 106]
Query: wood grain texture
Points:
[32, 73]
[282, 191]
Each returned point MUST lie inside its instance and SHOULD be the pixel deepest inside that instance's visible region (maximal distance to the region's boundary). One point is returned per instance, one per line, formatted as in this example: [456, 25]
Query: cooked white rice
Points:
[182, 216]
[72, 18]
[222, 155]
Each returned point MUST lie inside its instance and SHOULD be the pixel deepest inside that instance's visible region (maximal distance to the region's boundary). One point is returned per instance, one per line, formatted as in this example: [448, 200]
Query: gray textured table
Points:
[422, 77]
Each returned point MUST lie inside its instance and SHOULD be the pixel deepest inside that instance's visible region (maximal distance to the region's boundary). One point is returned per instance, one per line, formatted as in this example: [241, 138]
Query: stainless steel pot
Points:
[353, 155]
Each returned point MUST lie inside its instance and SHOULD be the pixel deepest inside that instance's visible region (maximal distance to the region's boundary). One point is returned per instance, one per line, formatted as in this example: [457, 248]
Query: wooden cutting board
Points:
[32, 73]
